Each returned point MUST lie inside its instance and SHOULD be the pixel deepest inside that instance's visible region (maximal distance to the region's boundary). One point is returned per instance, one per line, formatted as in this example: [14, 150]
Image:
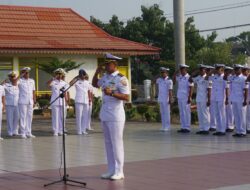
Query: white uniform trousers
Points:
[89, 115]
[185, 114]
[113, 137]
[81, 117]
[1, 117]
[57, 119]
[12, 117]
[239, 112]
[165, 115]
[203, 116]
[248, 116]
[26, 116]
[229, 116]
[212, 116]
[220, 115]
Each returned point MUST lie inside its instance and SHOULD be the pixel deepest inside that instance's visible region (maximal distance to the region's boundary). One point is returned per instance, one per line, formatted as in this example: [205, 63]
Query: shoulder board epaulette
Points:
[120, 75]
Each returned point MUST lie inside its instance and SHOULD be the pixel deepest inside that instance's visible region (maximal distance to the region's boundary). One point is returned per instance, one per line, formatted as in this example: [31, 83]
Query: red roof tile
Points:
[45, 30]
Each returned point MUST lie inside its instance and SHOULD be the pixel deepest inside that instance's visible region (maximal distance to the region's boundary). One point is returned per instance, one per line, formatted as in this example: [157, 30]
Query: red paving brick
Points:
[193, 172]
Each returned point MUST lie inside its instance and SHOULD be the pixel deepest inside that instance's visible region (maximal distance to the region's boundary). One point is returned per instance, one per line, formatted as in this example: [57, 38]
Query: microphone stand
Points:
[65, 177]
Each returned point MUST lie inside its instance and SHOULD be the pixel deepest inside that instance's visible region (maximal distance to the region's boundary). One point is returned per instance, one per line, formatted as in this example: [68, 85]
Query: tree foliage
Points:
[153, 28]
[56, 63]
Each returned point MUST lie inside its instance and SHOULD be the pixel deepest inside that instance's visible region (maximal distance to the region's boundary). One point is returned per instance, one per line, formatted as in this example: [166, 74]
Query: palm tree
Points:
[55, 63]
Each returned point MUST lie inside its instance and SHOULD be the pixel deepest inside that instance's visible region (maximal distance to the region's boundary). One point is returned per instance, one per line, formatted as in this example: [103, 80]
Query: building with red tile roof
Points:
[29, 35]
[59, 30]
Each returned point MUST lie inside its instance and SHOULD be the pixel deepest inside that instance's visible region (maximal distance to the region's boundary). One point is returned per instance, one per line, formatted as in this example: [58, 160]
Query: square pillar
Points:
[16, 64]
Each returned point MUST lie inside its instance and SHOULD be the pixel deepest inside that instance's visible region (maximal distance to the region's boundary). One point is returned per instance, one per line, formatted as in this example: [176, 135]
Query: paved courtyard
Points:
[154, 160]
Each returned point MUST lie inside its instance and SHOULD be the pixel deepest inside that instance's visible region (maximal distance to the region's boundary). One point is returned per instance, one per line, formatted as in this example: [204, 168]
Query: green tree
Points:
[153, 28]
[114, 27]
[219, 52]
[56, 63]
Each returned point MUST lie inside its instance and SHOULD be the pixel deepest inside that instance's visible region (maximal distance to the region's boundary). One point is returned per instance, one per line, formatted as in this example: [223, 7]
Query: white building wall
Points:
[90, 65]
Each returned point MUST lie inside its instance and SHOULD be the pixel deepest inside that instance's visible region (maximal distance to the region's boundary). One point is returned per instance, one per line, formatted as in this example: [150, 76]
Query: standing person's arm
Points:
[95, 78]
[209, 89]
[227, 92]
[122, 94]
[3, 102]
[170, 92]
[34, 94]
[245, 93]
[248, 80]
[190, 93]
[170, 96]
[49, 82]
[89, 97]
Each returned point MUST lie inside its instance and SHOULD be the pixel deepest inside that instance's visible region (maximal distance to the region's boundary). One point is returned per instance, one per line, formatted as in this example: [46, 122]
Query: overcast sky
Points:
[126, 9]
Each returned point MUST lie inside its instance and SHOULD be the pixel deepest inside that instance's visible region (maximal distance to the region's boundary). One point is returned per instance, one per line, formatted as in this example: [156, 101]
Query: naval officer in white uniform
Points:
[2, 107]
[115, 91]
[229, 108]
[82, 102]
[219, 98]
[165, 91]
[184, 94]
[57, 84]
[239, 94]
[26, 102]
[248, 107]
[11, 97]
[203, 94]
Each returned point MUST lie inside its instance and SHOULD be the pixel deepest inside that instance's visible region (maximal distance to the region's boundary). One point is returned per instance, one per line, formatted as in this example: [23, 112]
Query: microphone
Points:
[62, 89]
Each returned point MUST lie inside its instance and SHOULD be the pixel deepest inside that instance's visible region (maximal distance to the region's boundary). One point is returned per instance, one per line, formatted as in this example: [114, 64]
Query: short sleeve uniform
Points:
[112, 109]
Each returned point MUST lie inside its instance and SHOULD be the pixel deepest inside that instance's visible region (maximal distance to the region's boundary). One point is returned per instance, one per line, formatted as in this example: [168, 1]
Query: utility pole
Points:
[179, 32]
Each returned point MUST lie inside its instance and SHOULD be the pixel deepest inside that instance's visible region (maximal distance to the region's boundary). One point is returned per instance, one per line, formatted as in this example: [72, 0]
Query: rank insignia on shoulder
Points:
[124, 82]
[120, 75]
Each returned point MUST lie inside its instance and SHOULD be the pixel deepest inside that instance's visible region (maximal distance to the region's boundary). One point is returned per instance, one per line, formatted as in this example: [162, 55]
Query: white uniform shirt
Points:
[219, 86]
[112, 109]
[82, 88]
[183, 86]
[56, 85]
[2, 93]
[11, 94]
[26, 88]
[164, 85]
[238, 84]
[202, 88]
[248, 95]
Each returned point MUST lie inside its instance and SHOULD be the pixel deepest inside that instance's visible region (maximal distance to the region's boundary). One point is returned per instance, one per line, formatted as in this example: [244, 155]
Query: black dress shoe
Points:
[219, 134]
[212, 129]
[186, 131]
[183, 131]
[199, 132]
[205, 133]
[238, 135]
[229, 130]
[248, 131]
[180, 131]
[242, 135]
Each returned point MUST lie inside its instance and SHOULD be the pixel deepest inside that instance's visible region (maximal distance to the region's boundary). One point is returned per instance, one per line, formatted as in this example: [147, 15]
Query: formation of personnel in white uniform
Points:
[18, 98]
[222, 98]
[83, 101]
[222, 102]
